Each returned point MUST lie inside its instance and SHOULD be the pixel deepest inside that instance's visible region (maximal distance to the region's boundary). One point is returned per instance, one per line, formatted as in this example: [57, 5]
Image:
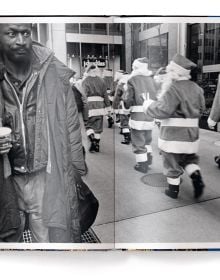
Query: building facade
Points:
[79, 44]
[156, 41]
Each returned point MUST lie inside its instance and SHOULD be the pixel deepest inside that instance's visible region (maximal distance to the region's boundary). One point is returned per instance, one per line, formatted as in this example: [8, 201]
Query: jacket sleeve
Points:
[165, 106]
[129, 95]
[75, 133]
[215, 111]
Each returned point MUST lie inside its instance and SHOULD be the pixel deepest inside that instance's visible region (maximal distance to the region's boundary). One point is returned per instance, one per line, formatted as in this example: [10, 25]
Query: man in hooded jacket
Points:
[46, 149]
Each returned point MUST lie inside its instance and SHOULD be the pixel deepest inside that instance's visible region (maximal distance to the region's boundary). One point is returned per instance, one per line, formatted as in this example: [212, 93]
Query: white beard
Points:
[168, 80]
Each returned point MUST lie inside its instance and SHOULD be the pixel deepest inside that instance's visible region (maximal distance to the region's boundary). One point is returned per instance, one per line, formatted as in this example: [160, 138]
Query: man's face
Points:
[15, 41]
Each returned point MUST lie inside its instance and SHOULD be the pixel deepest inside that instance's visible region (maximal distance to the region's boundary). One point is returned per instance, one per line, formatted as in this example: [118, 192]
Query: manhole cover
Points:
[157, 180]
[87, 237]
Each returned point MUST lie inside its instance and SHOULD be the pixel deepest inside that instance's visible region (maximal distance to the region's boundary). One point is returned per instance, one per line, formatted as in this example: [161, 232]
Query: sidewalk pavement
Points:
[142, 213]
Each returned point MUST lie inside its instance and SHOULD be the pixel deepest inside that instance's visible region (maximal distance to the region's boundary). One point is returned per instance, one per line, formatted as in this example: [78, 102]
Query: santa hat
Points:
[140, 63]
[107, 73]
[118, 75]
[181, 65]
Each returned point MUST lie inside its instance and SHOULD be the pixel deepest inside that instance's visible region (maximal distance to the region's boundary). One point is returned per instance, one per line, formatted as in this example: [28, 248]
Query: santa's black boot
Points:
[172, 191]
[110, 122]
[93, 143]
[198, 183]
[117, 120]
[97, 148]
[141, 167]
[127, 139]
[217, 160]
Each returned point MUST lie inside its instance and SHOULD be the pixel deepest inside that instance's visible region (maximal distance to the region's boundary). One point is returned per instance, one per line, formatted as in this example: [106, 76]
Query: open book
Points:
[134, 212]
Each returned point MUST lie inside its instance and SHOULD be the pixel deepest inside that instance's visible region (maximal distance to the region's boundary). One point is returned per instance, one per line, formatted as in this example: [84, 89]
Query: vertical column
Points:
[128, 47]
[173, 40]
[182, 27]
[59, 41]
[107, 66]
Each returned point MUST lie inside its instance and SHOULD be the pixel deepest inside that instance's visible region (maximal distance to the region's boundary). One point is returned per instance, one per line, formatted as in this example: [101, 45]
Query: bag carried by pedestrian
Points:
[88, 203]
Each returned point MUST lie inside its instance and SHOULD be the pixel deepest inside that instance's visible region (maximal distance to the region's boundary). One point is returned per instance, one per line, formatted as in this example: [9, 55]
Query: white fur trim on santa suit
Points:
[191, 168]
[141, 157]
[173, 181]
[149, 148]
[137, 64]
[141, 72]
[180, 122]
[107, 73]
[137, 109]
[97, 112]
[125, 130]
[172, 66]
[141, 125]
[95, 98]
[124, 111]
[178, 147]
[97, 136]
[90, 131]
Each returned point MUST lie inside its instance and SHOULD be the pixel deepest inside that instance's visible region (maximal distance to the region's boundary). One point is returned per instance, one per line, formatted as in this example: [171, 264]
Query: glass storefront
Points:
[156, 49]
[204, 50]
[212, 44]
[102, 55]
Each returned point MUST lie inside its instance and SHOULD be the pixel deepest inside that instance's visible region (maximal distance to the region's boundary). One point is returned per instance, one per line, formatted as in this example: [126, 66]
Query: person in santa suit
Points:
[118, 103]
[214, 116]
[108, 79]
[140, 81]
[179, 109]
[98, 106]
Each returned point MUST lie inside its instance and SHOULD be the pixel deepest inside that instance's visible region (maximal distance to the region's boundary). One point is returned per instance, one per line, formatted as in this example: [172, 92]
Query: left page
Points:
[57, 133]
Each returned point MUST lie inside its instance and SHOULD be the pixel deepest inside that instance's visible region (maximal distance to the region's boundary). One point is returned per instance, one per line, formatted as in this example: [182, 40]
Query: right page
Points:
[167, 141]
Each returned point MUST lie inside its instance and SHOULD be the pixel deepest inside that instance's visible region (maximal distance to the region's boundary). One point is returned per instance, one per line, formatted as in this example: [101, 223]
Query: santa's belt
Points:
[180, 122]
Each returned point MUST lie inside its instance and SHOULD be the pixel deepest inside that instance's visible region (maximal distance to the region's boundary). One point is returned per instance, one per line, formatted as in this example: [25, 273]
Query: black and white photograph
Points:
[109, 132]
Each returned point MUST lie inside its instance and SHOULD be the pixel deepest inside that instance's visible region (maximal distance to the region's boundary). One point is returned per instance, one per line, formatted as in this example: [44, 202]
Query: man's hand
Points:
[5, 145]
[211, 123]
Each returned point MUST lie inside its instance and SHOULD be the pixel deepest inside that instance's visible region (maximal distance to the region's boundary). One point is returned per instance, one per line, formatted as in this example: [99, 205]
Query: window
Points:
[150, 25]
[156, 50]
[211, 44]
[115, 29]
[72, 28]
[94, 28]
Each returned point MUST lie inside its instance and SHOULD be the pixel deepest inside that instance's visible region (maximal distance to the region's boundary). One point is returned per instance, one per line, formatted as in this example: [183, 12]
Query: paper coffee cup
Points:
[5, 131]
